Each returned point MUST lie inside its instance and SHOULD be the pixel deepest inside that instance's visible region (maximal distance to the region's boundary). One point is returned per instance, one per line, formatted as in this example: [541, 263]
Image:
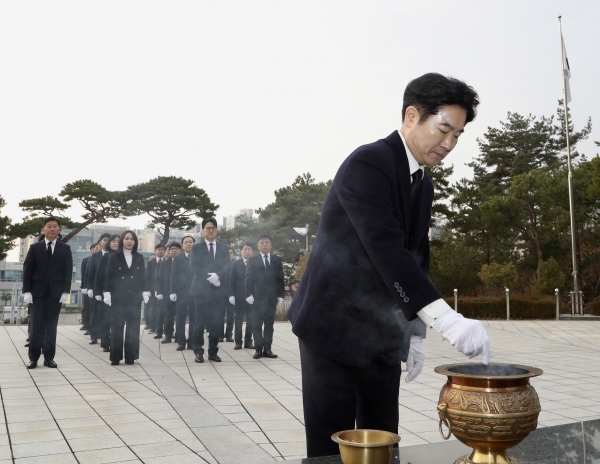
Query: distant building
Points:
[246, 212]
[228, 222]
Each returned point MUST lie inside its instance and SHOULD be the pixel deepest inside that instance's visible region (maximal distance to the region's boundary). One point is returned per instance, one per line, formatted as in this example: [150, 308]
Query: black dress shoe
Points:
[214, 358]
[257, 354]
[106, 350]
[129, 362]
[249, 347]
[237, 347]
[32, 365]
[269, 354]
[229, 339]
[180, 347]
[50, 363]
[157, 336]
[87, 332]
[82, 327]
[94, 342]
[27, 339]
[166, 340]
[115, 363]
[26, 345]
[199, 358]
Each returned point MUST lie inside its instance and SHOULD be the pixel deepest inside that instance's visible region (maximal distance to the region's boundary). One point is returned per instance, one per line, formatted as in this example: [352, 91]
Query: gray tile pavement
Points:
[167, 406]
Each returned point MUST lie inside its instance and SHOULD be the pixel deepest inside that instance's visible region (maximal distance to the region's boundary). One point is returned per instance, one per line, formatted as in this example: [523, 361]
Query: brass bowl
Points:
[373, 447]
[489, 408]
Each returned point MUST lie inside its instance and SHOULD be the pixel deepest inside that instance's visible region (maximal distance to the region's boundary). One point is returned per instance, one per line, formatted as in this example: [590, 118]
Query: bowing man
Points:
[264, 289]
[163, 289]
[102, 309]
[47, 273]
[124, 289]
[181, 282]
[237, 298]
[210, 263]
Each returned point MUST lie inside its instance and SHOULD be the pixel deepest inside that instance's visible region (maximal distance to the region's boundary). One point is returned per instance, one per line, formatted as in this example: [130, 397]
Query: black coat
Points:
[92, 268]
[163, 279]
[99, 282]
[201, 263]
[366, 277]
[41, 274]
[181, 276]
[125, 283]
[265, 286]
[151, 275]
[84, 263]
[237, 281]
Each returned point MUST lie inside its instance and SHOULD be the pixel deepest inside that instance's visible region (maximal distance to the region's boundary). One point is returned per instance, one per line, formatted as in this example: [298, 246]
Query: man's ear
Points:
[411, 116]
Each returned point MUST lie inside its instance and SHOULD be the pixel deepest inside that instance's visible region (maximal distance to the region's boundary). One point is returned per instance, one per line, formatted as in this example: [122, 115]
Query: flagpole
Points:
[576, 302]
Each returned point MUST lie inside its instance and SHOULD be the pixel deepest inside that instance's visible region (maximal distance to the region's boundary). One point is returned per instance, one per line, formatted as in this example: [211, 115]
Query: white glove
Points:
[146, 297]
[159, 297]
[155, 293]
[213, 279]
[279, 300]
[90, 293]
[84, 291]
[173, 296]
[467, 335]
[98, 297]
[250, 299]
[107, 299]
[217, 283]
[232, 300]
[27, 298]
[416, 358]
[63, 298]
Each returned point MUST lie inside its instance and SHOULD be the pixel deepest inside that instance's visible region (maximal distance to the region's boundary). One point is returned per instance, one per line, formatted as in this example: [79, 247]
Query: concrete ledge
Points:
[568, 317]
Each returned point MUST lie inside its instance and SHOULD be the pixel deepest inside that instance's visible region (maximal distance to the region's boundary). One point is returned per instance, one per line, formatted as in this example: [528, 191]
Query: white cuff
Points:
[433, 310]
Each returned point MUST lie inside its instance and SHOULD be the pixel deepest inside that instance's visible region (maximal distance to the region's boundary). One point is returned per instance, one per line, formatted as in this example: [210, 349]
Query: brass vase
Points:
[489, 408]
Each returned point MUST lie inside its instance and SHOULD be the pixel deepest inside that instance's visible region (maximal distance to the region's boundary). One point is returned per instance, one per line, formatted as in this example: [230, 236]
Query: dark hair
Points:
[431, 91]
[41, 238]
[248, 245]
[134, 249]
[50, 219]
[93, 246]
[106, 234]
[264, 236]
[188, 236]
[206, 221]
[175, 244]
[159, 246]
[107, 244]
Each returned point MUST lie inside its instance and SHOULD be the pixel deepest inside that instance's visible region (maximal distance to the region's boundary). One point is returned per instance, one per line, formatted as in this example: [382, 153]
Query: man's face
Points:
[209, 231]
[51, 230]
[187, 244]
[114, 245]
[102, 243]
[231, 254]
[264, 246]
[174, 251]
[160, 252]
[246, 252]
[168, 253]
[431, 141]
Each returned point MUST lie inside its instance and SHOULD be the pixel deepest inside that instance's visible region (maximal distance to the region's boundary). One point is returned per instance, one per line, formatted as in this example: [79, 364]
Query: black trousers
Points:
[125, 317]
[227, 329]
[150, 313]
[209, 310]
[339, 397]
[44, 321]
[263, 314]
[103, 323]
[184, 308]
[85, 311]
[241, 310]
[169, 317]
[160, 316]
[94, 318]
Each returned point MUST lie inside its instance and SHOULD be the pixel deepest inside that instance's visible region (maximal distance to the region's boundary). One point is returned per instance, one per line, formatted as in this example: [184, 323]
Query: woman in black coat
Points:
[124, 289]
[103, 310]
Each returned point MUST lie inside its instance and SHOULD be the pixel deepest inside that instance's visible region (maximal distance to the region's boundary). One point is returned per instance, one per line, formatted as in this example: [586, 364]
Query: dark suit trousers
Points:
[169, 316]
[339, 397]
[263, 314]
[125, 317]
[160, 315]
[94, 318]
[242, 310]
[44, 321]
[103, 315]
[85, 312]
[209, 310]
[150, 313]
[227, 329]
[185, 307]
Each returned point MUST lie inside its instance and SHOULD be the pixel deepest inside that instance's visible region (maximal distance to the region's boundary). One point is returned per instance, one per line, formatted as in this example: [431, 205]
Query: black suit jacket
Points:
[100, 280]
[125, 283]
[265, 286]
[84, 263]
[92, 268]
[181, 276]
[151, 275]
[237, 281]
[201, 263]
[41, 274]
[163, 279]
[366, 277]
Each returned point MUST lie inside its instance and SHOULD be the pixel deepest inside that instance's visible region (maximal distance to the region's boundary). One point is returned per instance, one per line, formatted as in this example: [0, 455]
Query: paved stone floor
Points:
[166, 408]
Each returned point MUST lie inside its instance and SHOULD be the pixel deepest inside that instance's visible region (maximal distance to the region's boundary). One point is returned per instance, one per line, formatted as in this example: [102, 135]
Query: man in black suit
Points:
[210, 263]
[237, 298]
[160, 313]
[365, 298]
[264, 289]
[159, 252]
[90, 280]
[181, 283]
[164, 291]
[227, 329]
[47, 273]
[85, 311]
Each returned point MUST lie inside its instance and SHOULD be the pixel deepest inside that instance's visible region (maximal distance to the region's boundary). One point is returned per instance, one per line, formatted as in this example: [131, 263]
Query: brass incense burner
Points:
[365, 446]
[489, 408]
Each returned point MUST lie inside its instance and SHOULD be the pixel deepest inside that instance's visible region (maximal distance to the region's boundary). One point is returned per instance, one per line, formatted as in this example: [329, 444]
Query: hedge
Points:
[521, 307]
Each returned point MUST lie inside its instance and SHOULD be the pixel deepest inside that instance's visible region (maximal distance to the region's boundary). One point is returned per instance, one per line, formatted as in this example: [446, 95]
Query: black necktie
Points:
[212, 250]
[417, 177]
[267, 264]
[49, 251]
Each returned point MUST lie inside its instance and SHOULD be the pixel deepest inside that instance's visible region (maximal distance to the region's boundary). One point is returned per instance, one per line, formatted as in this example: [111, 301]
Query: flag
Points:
[566, 69]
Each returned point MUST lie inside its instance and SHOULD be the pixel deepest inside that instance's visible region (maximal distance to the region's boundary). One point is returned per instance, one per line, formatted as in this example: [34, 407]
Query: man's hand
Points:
[250, 299]
[107, 298]
[159, 297]
[27, 298]
[84, 291]
[232, 300]
[91, 293]
[213, 279]
[146, 297]
[63, 298]
[279, 300]
[416, 358]
[467, 335]
[98, 298]
[173, 296]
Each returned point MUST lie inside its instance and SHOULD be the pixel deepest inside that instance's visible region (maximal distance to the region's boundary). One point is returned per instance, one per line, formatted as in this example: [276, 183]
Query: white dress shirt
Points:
[268, 255]
[214, 246]
[433, 310]
[53, 244]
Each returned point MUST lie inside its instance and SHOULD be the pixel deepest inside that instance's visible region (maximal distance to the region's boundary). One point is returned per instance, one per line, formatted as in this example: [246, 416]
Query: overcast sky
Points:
[242, 97]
